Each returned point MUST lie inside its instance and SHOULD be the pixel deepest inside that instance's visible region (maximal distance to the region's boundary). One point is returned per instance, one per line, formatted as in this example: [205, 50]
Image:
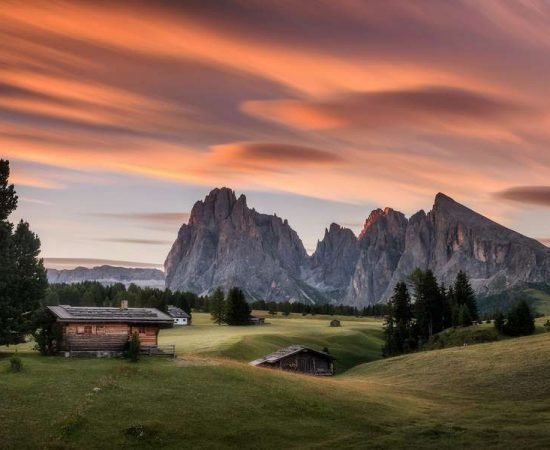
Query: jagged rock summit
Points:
[228, 244]
[225, 243]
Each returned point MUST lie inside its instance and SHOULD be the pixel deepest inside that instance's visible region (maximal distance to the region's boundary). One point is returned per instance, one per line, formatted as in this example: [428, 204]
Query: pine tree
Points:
[22, 274]
[217, 306]
[499, 322]
[429, 305]
[520, 320]
[464, 295]
[237, 311]
[398, 327]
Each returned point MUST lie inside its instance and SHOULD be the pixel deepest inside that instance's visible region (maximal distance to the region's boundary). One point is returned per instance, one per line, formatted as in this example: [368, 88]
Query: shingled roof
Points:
[65, 313]
[284, 352]
[176, 312]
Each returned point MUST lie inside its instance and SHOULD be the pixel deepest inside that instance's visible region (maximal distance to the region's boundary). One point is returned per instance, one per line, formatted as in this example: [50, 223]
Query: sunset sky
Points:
[117, 117]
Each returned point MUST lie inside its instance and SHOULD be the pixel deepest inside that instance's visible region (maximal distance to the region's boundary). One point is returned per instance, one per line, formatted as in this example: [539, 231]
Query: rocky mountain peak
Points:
[225, 241]
[227, 244]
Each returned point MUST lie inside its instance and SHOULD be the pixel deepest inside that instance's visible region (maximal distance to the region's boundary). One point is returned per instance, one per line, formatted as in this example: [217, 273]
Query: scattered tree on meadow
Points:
[520, 321]
[499, 322]
[429, 305]
[216, 304]
[464, 301]
[398, 329]
[237, 311]
[23, 279]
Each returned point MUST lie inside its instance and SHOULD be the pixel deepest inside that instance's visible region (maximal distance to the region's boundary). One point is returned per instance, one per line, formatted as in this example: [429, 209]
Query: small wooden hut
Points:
[181, 318]
[253, 320]
[298, 358]
[335, 323]
[108, 329]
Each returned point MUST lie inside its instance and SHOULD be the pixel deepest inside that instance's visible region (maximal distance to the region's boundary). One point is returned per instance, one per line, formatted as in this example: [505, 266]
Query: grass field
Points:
[355, 342]
[493, 395]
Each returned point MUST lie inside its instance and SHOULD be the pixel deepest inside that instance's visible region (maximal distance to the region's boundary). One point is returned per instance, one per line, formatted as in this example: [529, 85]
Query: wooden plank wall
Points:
[110, 336]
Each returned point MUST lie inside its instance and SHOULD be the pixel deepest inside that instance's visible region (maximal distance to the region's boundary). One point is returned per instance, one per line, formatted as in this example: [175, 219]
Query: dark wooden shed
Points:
[298, 358]
[335, 323]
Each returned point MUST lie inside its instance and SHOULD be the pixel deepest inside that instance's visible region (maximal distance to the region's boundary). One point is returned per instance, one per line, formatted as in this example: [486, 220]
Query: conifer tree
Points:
[216, 304]
[464, 295]
[520, 320]
[398, 328]
[429, 305]
[237, 311]
[22, 275]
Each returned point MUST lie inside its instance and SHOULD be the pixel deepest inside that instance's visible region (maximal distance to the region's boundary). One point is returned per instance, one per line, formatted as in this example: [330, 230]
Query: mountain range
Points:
[108, 275]
[225, 243]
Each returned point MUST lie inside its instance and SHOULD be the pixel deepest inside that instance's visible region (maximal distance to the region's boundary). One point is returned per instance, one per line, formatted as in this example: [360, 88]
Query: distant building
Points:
[256, 320]
[90, 329]
[181, 318]
[335, 323]
[298, 358]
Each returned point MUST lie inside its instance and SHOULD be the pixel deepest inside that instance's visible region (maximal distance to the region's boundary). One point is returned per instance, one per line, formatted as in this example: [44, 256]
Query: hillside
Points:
[486, 396]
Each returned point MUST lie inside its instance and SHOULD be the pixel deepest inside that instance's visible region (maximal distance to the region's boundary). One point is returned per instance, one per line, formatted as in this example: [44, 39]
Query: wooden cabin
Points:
[335, 323]
[108, 329]
[253, 320]
[180, 317]
[298, 358]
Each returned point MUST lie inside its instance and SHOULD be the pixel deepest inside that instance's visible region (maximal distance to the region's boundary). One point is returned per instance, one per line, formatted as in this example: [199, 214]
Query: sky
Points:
[117, 116]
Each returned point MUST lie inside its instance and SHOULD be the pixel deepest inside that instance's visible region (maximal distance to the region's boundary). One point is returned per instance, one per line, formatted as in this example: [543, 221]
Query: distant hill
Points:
[226, 243]
[108, 275]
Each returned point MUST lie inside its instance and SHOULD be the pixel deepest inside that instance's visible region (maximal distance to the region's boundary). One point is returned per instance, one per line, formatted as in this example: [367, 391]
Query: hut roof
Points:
[287, 351]
[65, 313]
[174, 311]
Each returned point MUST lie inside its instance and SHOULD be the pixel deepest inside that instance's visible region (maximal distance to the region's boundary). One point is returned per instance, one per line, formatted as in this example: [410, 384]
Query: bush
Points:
[133, 348]
[547, 325]
[47, 332]
[16, 365]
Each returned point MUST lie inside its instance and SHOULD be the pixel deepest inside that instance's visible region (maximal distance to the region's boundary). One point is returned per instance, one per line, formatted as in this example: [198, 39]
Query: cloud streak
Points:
[136, 241]
[335, 100]
[527, 195]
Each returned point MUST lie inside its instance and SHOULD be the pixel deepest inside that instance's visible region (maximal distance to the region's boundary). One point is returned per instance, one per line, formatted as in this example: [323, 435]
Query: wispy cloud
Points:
[136, 241]
[529, 195]
[149, 218]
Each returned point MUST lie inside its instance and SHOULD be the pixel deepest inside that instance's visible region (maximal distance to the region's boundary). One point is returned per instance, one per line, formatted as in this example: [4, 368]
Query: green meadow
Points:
[493, 395]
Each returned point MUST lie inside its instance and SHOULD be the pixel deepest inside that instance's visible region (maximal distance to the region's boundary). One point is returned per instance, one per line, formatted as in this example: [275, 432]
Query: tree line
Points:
[412, 320]
[93, 293]
[327, 309]
[23, 278]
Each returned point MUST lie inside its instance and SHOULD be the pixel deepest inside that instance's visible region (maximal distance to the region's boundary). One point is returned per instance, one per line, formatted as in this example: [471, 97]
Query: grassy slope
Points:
[355, 342]
[537, 296]
[488, 396]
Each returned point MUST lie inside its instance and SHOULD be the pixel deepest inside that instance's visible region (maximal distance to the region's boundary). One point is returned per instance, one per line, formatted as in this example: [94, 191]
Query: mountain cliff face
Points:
[228, 244]
[381, 242]
[333, 263]
[108, 275]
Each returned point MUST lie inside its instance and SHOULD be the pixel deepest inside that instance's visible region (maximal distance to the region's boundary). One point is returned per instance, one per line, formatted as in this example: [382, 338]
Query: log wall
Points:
[109, 336]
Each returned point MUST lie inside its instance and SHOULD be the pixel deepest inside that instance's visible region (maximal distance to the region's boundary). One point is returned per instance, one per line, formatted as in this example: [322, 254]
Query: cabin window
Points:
[100, 329]
[87, 329]
[141, 330]
[150, 332]
[79, 330]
